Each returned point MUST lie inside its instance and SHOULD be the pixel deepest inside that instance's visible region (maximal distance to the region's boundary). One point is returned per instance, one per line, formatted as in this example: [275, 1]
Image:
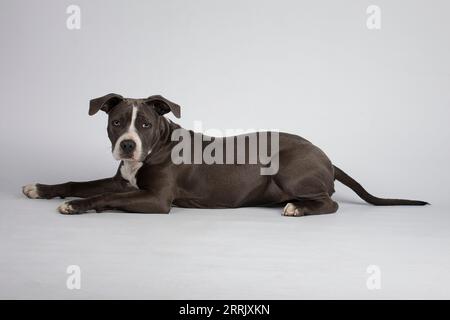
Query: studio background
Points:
[376, 101]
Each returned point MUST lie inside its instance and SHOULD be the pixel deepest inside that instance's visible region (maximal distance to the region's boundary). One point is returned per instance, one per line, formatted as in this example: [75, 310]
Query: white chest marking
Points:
[128, 171]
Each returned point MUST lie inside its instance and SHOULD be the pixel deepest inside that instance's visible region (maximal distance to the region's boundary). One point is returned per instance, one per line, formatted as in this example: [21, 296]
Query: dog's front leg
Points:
[134, 201]
[76, 189]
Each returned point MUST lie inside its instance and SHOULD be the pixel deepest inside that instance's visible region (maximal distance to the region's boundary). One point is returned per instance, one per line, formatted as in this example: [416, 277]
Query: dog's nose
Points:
[128, 146]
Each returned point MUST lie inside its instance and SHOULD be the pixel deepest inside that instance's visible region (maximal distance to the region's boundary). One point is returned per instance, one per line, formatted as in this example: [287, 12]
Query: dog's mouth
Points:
[135, 155]
[128, 157]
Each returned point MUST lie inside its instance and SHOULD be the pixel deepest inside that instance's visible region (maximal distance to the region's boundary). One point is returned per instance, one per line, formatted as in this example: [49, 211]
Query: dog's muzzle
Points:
[127, 148]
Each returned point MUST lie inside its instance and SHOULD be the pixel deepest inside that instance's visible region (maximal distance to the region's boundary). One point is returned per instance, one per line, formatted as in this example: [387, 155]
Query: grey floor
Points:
[376, 101]
[250, 253]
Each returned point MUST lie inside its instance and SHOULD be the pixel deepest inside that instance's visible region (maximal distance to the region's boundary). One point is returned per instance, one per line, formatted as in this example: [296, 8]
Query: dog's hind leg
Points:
[305, 207]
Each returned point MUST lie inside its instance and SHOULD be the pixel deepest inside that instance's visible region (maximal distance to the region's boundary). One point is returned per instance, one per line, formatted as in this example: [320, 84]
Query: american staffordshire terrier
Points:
[149, 180]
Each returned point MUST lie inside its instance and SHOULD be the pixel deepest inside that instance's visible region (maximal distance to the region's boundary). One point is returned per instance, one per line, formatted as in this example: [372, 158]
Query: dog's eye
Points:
[146, 125]
[116, 123]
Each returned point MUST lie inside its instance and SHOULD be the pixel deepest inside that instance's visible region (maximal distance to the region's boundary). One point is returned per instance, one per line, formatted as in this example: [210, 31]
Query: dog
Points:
[148, 179]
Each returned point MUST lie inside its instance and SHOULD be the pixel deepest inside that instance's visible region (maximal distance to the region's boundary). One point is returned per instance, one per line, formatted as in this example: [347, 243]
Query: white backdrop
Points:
[376, 101]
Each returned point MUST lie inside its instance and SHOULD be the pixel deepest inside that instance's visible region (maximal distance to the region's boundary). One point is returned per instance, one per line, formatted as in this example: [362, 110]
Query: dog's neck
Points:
[163, 144]
[129, 169]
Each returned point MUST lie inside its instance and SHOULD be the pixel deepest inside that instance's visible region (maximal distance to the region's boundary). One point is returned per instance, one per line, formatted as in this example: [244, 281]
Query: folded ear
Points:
[105, 103]
[163, 106]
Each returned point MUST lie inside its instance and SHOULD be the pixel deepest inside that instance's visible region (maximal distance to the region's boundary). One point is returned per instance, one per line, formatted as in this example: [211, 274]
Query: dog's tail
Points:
[345, 179]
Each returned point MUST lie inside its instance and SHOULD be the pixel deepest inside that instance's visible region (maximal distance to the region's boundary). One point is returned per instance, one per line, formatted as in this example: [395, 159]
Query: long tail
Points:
[344, 178]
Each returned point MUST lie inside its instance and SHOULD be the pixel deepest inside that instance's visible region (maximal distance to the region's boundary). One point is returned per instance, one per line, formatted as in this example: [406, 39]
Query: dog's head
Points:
[134, 125]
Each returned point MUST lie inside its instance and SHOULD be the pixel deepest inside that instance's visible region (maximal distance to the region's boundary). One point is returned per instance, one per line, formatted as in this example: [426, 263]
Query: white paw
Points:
[66, 208]
[291, 210]
[30, 191]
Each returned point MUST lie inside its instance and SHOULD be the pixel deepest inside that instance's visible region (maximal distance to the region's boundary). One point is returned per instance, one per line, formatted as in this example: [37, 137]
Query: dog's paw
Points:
[68, 208]
[31, 191]
[291, 210]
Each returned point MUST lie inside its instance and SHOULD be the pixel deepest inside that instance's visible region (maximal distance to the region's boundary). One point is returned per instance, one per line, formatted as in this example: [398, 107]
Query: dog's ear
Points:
[163, 106]
[105, 103]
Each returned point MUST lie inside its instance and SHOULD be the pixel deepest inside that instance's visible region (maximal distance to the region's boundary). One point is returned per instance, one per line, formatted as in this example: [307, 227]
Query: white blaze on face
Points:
[131, 134]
